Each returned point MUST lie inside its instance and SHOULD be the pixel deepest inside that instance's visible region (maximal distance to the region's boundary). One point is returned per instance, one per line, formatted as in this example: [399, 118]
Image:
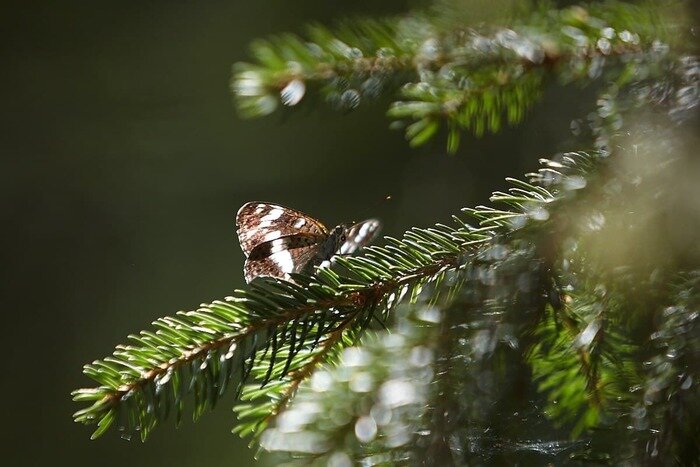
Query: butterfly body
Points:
[279, 241]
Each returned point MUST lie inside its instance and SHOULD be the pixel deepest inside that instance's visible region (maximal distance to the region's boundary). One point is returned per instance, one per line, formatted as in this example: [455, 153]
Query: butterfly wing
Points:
[279, 241]
[282, 256]
[260, 222]
[360, 235]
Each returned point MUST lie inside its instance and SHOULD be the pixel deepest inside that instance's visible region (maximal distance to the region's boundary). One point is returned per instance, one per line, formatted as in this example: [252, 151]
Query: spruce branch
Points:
[474, 79]
[276, 324]
[288, 330]
[583, 365]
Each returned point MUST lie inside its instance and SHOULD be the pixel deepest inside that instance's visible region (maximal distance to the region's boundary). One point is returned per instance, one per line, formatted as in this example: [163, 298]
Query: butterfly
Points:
[278, 241]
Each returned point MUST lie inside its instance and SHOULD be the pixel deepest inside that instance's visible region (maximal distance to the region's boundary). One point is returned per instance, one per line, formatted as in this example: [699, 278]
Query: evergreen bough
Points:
[560, 323]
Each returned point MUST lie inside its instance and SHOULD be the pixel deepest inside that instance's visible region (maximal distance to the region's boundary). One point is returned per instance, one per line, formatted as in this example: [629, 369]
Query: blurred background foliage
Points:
[124, 163]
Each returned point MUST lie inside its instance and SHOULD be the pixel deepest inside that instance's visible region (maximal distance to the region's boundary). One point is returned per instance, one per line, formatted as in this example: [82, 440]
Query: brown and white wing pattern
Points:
[281, 262]
[359, 235]
[260, 222]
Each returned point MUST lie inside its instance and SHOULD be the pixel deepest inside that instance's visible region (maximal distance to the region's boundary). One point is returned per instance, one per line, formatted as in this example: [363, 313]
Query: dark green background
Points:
[123, 164]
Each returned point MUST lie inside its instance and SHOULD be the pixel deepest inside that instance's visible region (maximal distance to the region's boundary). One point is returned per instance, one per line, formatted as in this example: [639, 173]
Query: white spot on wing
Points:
[277, 246]
[360, 234]
[299, 223]
[273, 215]
[364, 229]
[284, 260]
